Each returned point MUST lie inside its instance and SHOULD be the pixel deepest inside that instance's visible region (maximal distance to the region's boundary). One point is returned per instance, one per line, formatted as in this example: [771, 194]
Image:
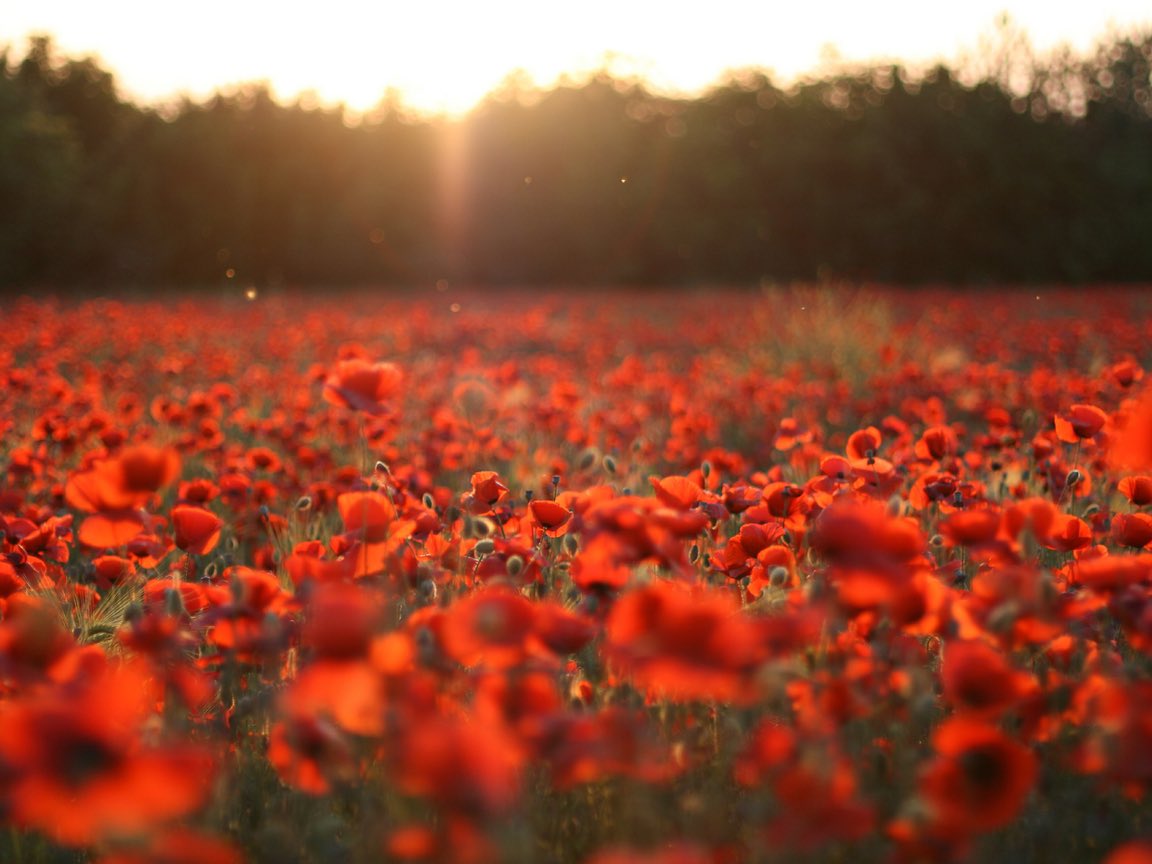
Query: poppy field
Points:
[788, 574]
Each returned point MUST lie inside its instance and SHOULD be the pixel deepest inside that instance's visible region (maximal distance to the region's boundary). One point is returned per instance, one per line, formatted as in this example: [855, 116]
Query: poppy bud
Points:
[382, 468]
[610, 464]
[303, 503]
[587, 459]
[514, 566]
[778, 578]
[428, 501]
[486, 546]
[571, 544]
[706, 469]
[173, 602]
[1073, 478]
[694, 553]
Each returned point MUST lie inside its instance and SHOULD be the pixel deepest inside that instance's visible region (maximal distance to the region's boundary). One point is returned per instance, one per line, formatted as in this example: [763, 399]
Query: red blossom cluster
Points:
[512, 595]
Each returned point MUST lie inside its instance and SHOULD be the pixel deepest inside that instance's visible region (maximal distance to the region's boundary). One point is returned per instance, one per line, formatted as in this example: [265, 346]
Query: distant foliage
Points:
[1025, 171]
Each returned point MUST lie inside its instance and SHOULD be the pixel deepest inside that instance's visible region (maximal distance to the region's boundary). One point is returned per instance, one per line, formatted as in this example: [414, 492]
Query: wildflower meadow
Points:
[834, 574]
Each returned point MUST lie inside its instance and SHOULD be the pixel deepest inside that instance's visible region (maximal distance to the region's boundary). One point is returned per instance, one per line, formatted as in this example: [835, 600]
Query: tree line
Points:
[874, 173]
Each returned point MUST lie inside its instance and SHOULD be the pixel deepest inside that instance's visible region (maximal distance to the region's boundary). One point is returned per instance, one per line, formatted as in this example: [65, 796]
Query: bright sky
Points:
[446, 54]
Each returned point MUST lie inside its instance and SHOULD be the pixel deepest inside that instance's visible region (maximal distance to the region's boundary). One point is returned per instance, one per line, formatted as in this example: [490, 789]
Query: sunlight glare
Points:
[445, 55]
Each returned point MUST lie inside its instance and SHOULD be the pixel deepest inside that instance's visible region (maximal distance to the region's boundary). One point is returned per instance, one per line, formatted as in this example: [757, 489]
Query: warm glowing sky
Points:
[445, 54]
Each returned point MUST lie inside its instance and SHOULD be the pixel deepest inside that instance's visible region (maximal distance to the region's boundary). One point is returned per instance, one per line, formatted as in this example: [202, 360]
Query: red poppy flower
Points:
[112, 570]
[1067, 533]
[363, 386]
[971, 527]
[979, 680]
[110, 530]
[144, 469]
[1132, 448]
[1132, 529]
[341, 621]
[1080, 422]
[1137, 489]
[469, 769]
[790, 434]
[680, 493]
[980, 777]
[310, 754]
[487, 491]
[367, 516]
[412, 843]
[489, 628]
[1109, 573]
[560, 630]
[77, 770]
[1134, 852]
[549, 515]
[936, 443]
[864, 443]
[350, 694]
[197, 530]
[684, 644]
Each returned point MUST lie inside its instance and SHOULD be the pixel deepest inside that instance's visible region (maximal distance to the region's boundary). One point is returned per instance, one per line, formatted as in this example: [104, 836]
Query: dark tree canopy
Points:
[873, 175]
